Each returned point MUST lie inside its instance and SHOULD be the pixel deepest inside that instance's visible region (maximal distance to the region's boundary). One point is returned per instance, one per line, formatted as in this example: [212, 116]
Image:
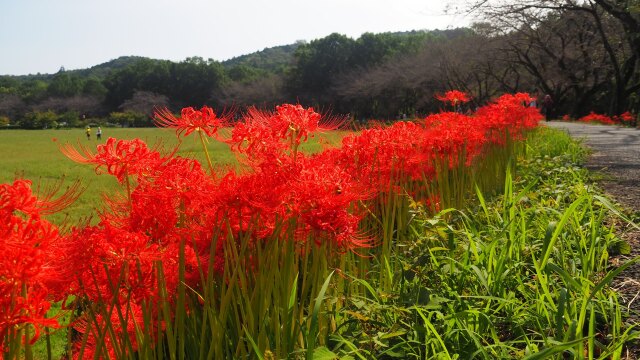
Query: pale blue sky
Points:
[43, 35]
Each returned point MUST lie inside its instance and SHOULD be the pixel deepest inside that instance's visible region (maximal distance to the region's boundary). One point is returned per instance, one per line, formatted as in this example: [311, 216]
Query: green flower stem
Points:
[128, 185]
[206, 152]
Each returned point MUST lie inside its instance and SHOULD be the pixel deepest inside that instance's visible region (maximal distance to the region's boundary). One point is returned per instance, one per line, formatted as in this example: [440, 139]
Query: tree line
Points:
[586, 55]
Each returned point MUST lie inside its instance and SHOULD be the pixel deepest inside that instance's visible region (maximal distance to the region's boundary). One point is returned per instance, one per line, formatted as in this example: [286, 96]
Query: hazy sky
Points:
[43, 35]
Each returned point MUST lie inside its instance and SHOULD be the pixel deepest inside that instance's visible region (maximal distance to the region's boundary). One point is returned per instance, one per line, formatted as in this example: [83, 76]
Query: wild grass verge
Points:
[525, 274]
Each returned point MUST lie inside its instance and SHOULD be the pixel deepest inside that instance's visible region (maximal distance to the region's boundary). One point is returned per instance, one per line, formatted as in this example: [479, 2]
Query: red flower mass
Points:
[31, 273]
[625, 118]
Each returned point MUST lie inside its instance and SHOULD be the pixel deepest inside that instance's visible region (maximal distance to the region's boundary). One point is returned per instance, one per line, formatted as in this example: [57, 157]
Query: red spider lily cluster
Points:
[597, 119]
[625, 118]
[171, 205]
[264, 137]
[31, 271]
[408, 150]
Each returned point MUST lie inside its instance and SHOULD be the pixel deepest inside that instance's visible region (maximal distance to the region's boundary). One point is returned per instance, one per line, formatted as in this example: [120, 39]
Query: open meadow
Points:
[36, 155]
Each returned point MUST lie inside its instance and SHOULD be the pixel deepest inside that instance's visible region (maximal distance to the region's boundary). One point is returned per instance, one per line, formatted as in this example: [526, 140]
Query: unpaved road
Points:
[616, 156]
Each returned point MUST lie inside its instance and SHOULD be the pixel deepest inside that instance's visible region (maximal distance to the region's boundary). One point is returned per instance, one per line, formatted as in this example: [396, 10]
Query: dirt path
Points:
[616, 155]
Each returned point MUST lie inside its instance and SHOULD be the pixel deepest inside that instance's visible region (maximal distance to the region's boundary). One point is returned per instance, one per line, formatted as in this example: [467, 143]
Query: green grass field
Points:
[36, 155]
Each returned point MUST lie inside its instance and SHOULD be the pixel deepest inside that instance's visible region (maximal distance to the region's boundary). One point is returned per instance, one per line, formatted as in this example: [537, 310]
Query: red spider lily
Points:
[181, 191]
[259, 136]
[19, 197]
[190, 120]
[626, 118]
[18, 311]
[31, 273]
[271, 135]
[129, 256]
[313, 196]
[454, 97]
[119, 158]
[166, 208]
[508, 115]
[453, 135]
[121, 268]
[301, 122]
[597, 118]
[379, 156]
[325, 198]
[297, 120]
[169, 209]
[242, 200]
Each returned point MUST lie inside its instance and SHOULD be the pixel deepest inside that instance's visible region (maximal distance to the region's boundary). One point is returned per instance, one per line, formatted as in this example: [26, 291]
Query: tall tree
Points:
[65, 84]
[616, 22]
[195, 80]
[318, 63]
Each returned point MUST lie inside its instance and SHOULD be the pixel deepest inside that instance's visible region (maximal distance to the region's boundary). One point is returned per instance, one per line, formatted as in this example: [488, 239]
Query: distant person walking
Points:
[547, 106]
[99, 133]
[88, 131]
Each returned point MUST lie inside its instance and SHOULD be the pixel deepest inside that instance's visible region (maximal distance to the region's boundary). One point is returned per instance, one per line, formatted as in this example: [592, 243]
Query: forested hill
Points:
[100, 70]
[271, 59]
[104, 69]
[274, 59]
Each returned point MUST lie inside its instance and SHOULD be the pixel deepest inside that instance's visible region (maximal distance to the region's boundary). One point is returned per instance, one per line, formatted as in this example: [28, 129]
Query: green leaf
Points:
[560, 314]
[393, 334]
[481, 277]
[253, 344]
[620, 247]
[313, 328]
[568, 279]
[294, 292]
[546, 353]
[566, 216]
[322, 353]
